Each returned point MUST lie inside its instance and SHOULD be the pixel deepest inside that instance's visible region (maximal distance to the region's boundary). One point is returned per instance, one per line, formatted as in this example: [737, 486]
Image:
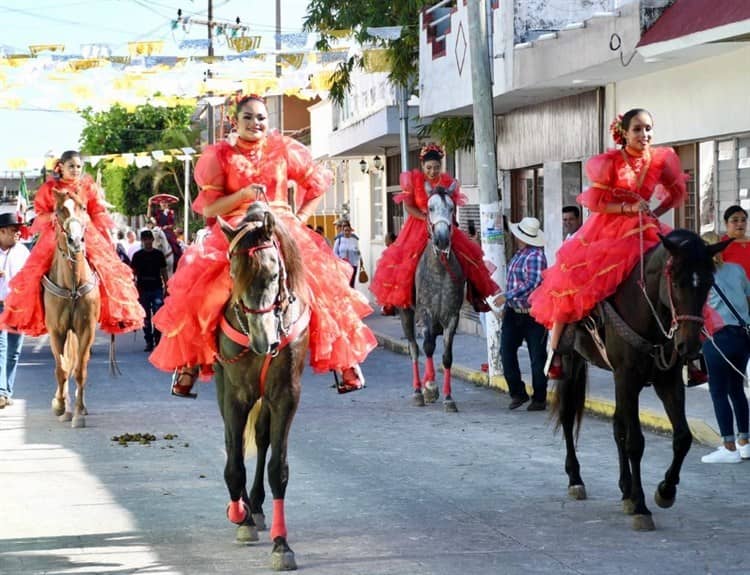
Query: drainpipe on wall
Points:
[490, 214]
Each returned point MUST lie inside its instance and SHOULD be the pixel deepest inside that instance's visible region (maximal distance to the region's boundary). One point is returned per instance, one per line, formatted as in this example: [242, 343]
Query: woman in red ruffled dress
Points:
[591, 265]
[231, 175]
[393, 282]
[24, 308]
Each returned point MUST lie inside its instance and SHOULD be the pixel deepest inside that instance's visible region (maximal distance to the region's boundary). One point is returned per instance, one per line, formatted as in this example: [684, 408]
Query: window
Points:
[376, 205]
[527, 193]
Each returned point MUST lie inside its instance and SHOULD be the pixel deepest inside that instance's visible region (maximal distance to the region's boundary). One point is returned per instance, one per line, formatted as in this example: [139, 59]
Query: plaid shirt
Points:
[524, 275]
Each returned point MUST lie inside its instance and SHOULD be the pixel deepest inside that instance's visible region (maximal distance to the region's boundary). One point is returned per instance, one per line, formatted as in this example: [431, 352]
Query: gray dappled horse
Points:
[648, 328]
[438, 295]
[262, 342]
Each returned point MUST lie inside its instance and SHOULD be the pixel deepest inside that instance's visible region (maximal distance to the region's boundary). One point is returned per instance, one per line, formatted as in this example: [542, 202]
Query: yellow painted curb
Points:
[702, 432]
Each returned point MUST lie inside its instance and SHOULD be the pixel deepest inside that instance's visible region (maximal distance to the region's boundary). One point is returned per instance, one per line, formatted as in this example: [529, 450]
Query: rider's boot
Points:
[183, 380]
[351, 379]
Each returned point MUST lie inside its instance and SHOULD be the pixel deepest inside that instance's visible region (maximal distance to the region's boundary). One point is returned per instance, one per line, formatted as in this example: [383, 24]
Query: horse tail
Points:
[569, 399]
[248, 437]
[70, 352]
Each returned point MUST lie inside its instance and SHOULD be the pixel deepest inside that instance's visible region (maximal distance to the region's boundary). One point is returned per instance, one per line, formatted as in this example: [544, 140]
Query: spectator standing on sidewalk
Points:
[346, 247]
[726, 357]
[524, 275]
[738, 252]
[13, 256]
[150, 267]
[571, 220]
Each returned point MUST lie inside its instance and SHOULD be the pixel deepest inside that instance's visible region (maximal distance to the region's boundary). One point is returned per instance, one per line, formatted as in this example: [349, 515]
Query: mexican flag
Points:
[23, 199]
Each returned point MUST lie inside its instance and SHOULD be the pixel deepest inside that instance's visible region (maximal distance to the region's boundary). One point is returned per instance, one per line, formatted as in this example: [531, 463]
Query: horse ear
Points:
[714, 249]
[268, 225]
[669, 244]
[427, 187]
[452, 187]
[228, 230]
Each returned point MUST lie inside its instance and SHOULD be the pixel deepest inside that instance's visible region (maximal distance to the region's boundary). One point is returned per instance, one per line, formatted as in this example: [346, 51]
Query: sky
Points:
[35, 132]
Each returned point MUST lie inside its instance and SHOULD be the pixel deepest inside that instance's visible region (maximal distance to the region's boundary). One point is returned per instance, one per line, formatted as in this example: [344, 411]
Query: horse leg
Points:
[671, 391]
[448, 404]
[431, 391]
[57, 343]
[626, 401]
[83, 353]
[619, 429]
[262, 442]
[235, 419]
[282, 556]
[407, 325]
[570, 400]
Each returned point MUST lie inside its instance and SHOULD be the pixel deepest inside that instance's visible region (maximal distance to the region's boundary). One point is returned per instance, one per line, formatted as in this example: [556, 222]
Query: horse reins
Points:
[443, 255]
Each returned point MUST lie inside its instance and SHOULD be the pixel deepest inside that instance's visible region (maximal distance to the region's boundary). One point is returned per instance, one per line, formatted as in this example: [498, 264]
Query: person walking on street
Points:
[726, 353]
[346, 247]
[150, 267]
[13, 256]
[524, 275]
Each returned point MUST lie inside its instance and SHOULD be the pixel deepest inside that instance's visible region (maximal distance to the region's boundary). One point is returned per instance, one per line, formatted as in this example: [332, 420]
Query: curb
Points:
[702, 432]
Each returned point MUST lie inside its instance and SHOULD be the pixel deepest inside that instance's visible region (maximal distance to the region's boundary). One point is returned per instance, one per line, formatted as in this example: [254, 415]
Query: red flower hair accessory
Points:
[433, 150]
[617, 130]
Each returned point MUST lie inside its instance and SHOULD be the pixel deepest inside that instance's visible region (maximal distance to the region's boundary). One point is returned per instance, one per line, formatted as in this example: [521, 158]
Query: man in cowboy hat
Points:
[523, 276]
[13, 255]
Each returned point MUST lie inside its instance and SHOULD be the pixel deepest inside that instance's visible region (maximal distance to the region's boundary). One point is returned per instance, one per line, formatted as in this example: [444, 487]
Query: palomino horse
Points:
[647, 328]
[262, 344]
[439, 292]
[71, 307]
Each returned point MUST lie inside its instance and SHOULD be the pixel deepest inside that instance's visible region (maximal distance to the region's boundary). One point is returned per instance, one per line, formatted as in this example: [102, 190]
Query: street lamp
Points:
[363, 166]
[377, 162]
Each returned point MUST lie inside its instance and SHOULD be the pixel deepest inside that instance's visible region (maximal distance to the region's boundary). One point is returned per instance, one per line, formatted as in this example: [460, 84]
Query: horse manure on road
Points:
[141, 438]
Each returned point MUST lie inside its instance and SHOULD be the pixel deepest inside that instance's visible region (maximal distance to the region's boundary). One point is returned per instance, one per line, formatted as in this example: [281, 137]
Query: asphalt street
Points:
[376, 487]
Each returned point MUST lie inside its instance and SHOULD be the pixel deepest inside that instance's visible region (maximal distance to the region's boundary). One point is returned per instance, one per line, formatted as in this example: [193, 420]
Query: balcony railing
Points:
[437, 20]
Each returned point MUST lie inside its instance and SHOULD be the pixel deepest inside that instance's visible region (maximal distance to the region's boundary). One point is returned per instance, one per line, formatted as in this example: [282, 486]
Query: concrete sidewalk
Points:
[470, 352]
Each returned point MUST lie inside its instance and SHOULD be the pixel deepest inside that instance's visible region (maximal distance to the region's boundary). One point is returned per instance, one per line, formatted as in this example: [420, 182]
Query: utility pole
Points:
[486, 163]
[278, 65]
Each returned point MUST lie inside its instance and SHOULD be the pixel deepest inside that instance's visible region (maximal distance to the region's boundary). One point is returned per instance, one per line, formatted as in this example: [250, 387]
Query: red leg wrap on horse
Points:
[447, 383]
[278, 526]
[236, 512]
[429, 370]
[415, 373]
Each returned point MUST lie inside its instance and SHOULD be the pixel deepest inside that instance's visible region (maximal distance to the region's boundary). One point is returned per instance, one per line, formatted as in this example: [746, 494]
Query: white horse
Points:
[162, 244]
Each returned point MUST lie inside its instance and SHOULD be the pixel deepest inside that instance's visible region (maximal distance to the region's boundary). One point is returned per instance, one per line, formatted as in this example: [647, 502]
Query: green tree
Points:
[147, 128]
[326, 16]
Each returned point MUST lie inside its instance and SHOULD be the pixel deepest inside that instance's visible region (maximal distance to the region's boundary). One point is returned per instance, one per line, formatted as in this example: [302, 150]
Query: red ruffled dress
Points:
[393, 281]
[24, 308]
[201, 286]
[589, 266]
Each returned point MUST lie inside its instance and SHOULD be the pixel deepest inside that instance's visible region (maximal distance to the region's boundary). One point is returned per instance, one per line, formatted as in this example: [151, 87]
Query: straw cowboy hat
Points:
[527, 230]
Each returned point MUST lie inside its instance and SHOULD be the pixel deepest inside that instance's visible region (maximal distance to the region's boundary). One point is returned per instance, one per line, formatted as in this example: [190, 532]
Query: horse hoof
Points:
[418, 399]
[628, 507]
[84, 411]
[577, 492]
[431, 392]
[283, 561]
[449, 406]
[663, 502]
[246, 534]
[65, 417]
[58, 407]
[643, 523]
[260, 521]
[78, 422]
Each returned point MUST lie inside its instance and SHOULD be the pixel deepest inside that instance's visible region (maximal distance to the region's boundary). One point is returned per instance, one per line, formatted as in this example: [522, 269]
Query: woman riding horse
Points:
[393, 282]
[231, 176]
[120, 310]
[589, 267]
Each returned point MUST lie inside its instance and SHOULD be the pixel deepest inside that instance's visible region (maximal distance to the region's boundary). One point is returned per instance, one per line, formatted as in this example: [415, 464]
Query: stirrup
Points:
[180, 389]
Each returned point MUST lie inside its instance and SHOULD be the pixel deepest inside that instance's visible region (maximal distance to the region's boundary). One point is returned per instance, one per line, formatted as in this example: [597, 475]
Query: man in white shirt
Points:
[571, 220]
[13, 256]
[132, 245]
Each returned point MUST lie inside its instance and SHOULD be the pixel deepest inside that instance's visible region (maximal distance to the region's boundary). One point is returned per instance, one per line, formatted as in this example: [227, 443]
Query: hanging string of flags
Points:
[138, 159]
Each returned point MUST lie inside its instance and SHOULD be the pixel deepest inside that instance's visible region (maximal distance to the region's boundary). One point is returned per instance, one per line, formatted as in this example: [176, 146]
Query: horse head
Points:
[683, 290]
[440, 215]
[262, 269]
[71, 218]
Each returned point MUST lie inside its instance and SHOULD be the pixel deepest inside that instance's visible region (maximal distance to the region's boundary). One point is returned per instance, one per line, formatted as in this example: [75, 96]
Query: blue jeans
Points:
[516, 328]
[10, 351]
[151, 301]
[724, 383]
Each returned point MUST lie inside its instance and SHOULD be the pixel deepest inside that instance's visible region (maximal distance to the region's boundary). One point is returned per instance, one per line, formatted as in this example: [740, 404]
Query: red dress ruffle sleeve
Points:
[591, 265]
[24, 307]
[393, 280]
[201, 286]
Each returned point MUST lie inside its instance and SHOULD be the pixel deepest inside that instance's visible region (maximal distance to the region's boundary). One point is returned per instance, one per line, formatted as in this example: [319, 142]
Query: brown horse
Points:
[71, 307]
[262, 346]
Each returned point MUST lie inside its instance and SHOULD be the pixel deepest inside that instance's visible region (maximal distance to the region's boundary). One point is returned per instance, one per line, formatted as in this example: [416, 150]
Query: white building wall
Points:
[706, 98]
[321, 126]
